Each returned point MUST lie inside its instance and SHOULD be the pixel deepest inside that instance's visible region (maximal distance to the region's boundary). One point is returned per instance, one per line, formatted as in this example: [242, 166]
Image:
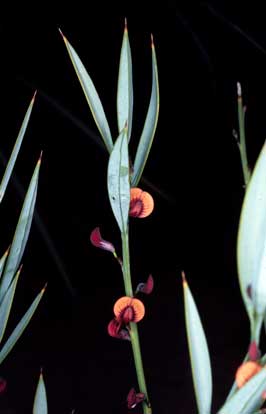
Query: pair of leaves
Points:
[10, 261]
[124, 103]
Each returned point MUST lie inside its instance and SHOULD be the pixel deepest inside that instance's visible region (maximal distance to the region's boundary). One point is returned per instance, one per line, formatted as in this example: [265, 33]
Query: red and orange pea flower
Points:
[126, 310]
[141, 203]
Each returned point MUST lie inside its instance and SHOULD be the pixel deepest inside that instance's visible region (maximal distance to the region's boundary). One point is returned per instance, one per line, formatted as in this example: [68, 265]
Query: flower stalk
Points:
[133, 326]
[242, 138]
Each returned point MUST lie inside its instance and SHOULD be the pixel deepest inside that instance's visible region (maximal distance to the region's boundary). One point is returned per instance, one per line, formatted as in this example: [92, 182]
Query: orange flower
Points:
[246, 371]
[141, 203]
[127, 309]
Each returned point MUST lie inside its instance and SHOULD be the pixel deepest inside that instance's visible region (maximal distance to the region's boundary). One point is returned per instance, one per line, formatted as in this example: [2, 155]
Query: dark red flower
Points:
[141, 203]
[146, 287]
[134, 398]
[97, 241]
[116, 331]
[127, 309]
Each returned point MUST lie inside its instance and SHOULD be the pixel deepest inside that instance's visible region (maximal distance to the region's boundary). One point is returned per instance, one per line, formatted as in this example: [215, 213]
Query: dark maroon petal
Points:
[134, 398]
[2, 385]
[127, 315]
[131, 398]
[146, 287]
[97, 241]
[113, 327]
[253, 351]
[96, 237]
[135, 208]
[114, 330]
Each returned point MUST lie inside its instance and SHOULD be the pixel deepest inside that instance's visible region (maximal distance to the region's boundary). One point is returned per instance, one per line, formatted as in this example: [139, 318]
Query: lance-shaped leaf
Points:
[40, 399]
[91, 96]
[251, 243]
[21, 233]
[21, 326]
[6, 303]
[15, 151]
[125, 87]
[3, 261]
[248, 398]
[118, 180]
[199, 354]
[150, 124]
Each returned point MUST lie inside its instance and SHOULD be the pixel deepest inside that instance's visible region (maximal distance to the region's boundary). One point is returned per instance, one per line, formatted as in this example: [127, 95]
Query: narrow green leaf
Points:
[6, 303]
[20, 327]
[21, 233]
[150, 125]
[251, 243]
[15, 151]
[248, 398]
[199, 354]
[3, 261]
[40, 399]
[125, 87]
[91, 96]
[118, 180]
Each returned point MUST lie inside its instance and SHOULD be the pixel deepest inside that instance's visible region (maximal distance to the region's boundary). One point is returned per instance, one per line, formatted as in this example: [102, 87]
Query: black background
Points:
[194, 174]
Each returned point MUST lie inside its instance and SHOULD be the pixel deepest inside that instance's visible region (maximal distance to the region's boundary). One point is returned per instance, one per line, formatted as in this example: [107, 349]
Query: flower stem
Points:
[133, 327]
[242, 138]
[126, 265]
[139, 366]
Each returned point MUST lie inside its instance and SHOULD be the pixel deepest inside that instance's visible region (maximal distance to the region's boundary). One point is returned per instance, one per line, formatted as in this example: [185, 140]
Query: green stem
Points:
[242, 138]
[256, 328]
[133, 327]
[139, 366]
[126, 264]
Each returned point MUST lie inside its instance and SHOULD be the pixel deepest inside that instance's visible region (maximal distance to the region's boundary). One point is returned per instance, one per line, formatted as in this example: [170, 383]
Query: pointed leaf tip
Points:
[7, 251]
[63, 36]
[125, 25]
[44, 288]
[33, 98]
[184, 279]
[152, 41]
[40, 157]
